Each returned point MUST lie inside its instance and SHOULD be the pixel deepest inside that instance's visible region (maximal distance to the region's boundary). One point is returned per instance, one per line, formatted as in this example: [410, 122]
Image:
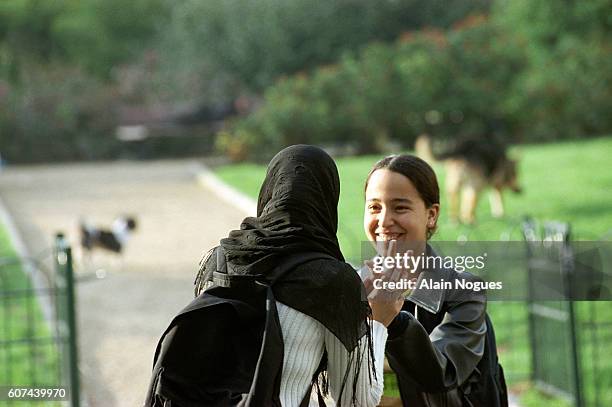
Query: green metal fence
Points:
[552, 324]
[560, 347]
[569, 338]
[38, 336]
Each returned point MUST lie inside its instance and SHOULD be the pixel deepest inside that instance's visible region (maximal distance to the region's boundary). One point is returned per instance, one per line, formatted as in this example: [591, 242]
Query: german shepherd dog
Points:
[471, 166]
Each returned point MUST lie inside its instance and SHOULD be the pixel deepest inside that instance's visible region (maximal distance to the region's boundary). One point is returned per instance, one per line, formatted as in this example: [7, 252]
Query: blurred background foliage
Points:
[358, 75]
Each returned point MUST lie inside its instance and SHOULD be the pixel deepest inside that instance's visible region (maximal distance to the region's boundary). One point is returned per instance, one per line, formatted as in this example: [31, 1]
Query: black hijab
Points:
[297, 212]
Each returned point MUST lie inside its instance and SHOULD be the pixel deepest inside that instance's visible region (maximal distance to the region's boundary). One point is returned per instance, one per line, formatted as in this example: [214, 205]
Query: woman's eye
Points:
[373, 208]
[402, 208]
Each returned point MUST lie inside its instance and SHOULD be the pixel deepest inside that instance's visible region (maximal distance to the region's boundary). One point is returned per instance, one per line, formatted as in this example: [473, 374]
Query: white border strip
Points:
[229, 194]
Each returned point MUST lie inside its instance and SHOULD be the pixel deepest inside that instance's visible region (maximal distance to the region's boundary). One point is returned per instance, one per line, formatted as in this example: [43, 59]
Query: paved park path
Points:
[121, 316]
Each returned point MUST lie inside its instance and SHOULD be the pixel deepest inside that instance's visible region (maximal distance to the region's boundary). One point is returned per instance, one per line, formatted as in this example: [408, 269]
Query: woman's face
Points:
[394, 210]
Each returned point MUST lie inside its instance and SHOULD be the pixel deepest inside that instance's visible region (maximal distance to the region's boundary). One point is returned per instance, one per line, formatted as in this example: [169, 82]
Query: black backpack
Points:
[225, 348]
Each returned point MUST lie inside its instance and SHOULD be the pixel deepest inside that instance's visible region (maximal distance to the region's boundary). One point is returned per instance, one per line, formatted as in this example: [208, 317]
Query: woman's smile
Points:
[386, 236]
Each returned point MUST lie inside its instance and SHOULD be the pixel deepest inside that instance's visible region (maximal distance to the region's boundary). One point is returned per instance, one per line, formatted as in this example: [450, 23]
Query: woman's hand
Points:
[385, 303]
[384, 311]
[376, 282]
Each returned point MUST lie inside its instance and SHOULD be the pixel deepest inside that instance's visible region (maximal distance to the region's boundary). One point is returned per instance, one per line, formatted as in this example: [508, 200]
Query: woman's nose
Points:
[385, 219]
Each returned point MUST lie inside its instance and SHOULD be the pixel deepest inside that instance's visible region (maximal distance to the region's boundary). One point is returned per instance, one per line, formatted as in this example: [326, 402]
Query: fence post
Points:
[563, 318]
[64, 253]
[568, 270]
[530, 235]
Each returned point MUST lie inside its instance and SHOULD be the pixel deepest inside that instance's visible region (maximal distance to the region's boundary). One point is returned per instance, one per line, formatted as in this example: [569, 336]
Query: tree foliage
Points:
[532, 71]
[57, 96]
[258, 41]
[354, 72]
[444, 83]
[565, 89]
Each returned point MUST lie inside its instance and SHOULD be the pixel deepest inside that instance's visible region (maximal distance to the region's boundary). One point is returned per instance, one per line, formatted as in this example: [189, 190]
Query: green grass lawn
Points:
[568, 181]
[28, 355]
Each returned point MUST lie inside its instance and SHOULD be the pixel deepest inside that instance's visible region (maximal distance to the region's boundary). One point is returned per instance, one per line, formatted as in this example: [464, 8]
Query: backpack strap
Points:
[306, 401]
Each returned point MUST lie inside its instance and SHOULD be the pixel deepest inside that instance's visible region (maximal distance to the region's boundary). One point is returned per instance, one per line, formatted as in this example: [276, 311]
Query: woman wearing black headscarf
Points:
[319, 304]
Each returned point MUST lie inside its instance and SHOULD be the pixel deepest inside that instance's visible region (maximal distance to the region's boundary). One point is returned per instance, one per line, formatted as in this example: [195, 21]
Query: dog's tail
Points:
[87, 233]
[423, 150]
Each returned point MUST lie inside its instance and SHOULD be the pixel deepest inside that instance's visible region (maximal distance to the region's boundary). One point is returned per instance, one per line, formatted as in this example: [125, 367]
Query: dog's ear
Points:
[131, 223]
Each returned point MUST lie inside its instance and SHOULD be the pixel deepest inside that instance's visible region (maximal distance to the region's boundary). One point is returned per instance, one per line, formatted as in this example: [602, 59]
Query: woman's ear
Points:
[432, 215]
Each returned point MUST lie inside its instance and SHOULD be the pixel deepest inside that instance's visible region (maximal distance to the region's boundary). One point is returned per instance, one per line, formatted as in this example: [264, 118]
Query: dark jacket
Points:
[442, 347]
[225, 348]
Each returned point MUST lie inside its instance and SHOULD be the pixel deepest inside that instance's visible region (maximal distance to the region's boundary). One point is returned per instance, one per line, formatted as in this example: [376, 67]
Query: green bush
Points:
[567, 94]
[564, 90]
[257, 41]
[504, 77]
[60, 114]
[448, 84]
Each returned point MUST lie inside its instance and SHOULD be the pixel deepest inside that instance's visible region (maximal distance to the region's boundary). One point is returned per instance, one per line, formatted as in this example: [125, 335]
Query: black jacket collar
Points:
[429, 298]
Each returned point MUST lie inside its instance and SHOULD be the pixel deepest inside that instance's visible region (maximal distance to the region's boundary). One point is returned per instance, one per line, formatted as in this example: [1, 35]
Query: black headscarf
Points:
[297, 212]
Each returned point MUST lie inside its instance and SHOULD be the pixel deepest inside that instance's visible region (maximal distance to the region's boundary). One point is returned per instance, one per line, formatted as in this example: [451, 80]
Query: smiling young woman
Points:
[441, 345]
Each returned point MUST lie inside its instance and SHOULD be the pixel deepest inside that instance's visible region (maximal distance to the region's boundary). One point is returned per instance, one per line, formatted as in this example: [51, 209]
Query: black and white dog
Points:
[111, 239]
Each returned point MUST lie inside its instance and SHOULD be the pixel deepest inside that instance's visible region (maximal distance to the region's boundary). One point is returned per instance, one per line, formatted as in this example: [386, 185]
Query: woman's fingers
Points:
[385, 311]
[391, 248]
[396, 270]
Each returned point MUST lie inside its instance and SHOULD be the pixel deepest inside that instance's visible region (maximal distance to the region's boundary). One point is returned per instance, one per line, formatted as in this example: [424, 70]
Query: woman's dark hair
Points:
[418, 172]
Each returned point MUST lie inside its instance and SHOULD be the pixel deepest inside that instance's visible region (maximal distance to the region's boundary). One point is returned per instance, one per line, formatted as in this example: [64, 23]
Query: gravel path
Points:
[122, 315]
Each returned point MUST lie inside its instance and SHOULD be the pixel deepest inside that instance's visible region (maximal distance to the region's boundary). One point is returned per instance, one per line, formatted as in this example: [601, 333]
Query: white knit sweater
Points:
[305, 339]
